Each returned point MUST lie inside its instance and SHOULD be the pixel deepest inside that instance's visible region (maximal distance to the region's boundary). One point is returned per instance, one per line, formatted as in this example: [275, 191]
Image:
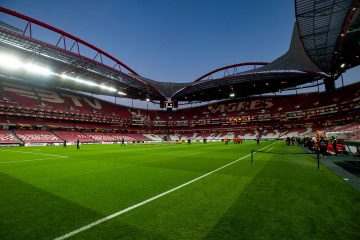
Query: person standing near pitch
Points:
[122, 142]
[334, 142]
[78, 144]
[257, 141]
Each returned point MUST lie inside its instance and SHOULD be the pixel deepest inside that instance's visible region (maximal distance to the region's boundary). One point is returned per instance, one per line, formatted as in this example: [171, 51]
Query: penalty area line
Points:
[107, 218]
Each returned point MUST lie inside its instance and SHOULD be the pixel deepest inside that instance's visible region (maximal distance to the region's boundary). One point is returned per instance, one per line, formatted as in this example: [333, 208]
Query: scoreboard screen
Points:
[169, 104]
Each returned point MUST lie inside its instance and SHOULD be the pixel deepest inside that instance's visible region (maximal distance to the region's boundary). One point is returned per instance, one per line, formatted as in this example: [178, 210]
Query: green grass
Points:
[278, 197]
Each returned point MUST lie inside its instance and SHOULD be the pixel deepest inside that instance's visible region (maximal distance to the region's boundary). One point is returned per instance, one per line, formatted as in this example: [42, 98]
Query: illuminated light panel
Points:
[88, 83]
[14, 63]
[10, 62]
[111, 89]
[121, 93]
[33, 68]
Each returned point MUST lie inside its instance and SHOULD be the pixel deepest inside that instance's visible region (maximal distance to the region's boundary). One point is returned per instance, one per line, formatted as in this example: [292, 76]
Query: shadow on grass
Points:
[117, 229]
[28, 212]
[287, 202]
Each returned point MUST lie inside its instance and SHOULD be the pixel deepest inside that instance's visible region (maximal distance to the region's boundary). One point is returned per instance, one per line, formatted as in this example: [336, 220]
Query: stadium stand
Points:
[282, 116]
[271, 134]
[109, 137]
[154, 137]
[72, 136]
[297, 132]
[137, 137]
[7, 137]
[37, 136]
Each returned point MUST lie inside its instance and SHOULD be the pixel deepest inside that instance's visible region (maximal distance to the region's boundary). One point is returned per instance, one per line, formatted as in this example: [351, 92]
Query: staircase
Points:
[16, 136]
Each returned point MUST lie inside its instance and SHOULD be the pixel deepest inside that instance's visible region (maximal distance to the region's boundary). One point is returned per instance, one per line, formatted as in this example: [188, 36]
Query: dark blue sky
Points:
[173, 40]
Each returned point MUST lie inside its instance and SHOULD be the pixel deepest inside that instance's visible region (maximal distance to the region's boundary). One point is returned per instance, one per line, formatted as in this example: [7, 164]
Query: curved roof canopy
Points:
[324, 27]
[323, 36]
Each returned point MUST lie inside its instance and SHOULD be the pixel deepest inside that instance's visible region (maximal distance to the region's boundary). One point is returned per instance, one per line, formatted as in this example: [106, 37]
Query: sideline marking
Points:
[93, 224]
[32, 160]
[45, 154]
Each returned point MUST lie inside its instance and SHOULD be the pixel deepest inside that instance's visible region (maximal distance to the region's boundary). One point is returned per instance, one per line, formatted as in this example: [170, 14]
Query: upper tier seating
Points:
[37, 136]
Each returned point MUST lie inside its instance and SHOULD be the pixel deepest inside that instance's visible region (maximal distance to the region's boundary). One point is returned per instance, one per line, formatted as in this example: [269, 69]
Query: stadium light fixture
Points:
[10, 62]
[86, 82]
[232, 95]
[37, 69]
[111, 89]
[64, 76]
[147, 99]
[342, 65]
[121, 93]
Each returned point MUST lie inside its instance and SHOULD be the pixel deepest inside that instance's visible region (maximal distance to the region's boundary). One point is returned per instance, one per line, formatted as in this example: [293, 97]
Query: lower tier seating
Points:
[72, 136]
[7, 137]
[37, 136]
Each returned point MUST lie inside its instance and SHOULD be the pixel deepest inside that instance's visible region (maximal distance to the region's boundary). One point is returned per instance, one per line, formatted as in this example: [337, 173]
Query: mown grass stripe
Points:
[116, 214]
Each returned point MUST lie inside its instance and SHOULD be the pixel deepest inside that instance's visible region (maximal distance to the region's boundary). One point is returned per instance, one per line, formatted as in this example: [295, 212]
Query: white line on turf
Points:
[107, 218]
[269, 149]
[45, 154]
[32, 160]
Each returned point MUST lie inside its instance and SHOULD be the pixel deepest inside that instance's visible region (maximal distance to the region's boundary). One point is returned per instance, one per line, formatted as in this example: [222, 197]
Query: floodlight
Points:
[111, 89]
[342, 65]
[232, 95]
[86, 82]
[64, 76]
[37, 69]
[10, 62]
[147, 99]
[122, 93]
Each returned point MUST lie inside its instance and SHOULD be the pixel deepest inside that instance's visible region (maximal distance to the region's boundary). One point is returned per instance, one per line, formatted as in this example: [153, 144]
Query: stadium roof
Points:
[325, 42]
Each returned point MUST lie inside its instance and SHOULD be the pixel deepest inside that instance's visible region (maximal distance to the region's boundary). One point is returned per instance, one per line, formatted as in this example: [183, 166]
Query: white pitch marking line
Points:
[93, 224]
[269, 149]
[32, 160]
[45, 154]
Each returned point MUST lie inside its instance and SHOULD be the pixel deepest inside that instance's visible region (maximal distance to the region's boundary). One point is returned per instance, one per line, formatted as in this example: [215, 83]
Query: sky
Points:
[173, 40]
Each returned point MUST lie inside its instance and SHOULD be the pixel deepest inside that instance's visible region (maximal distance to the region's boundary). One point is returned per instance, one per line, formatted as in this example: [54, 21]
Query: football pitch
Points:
[172, 191]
